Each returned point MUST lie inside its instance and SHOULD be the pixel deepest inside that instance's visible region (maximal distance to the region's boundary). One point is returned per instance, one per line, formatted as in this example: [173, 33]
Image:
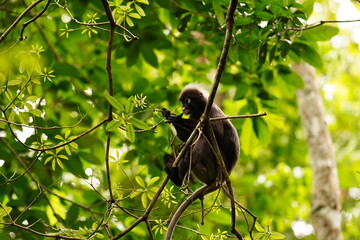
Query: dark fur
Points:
[203, 159]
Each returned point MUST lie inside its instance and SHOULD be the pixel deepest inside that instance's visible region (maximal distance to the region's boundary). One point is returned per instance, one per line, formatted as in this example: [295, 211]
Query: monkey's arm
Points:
[184, 127]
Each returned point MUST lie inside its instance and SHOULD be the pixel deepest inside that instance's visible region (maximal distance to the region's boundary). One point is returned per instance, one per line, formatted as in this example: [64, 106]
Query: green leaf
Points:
[59, 137]
[72, 214]
[150, 56]
[63, 157]
[120, 19]
[67, 150]
[74, 145]
[259, 227]
[246, 137]
[262, 53]
[59, 163]
[140, 10]
[113, 125]
[276, 235]
[152, 181]
[134, 194]
[129, 21]
[320, 33]
[129, 105]
[4, 213]
[308, 54]
[134, 15]
[258, 235]
[143, 1]
[140, 124]
[272, 53]
[261, 130]
[24, 117]
[114, 102]
[219, 12]
[67, 133]
[53, 165]
[144, 200]
[14, 82]
[48, 159]
[36, 112]
[140, 181]
[130, 132]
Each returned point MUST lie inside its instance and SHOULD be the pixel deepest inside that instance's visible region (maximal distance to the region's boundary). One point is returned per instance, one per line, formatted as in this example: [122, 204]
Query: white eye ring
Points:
[187, 100]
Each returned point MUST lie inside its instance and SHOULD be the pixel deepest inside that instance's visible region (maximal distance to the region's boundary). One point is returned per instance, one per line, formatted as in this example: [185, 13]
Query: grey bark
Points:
[326, 206]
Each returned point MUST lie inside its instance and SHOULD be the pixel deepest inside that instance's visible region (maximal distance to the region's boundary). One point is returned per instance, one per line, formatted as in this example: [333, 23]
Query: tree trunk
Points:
[326, 207]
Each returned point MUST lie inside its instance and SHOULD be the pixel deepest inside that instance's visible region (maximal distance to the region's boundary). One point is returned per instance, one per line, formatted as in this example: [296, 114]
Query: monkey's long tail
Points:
[174, 220]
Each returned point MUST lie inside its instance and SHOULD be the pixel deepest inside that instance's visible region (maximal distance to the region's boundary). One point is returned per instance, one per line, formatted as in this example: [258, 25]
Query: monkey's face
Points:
[193, 102]
[186, 106]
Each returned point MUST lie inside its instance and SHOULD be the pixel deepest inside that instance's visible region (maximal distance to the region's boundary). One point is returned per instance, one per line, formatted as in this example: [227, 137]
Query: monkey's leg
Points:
[177, 173]
[173, 172]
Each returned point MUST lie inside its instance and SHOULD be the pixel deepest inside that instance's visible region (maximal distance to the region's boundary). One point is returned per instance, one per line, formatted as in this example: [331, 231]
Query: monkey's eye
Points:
[187, 100]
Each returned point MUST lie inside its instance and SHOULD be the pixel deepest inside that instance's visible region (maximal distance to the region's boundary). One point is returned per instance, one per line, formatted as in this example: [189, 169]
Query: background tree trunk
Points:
[326, 207]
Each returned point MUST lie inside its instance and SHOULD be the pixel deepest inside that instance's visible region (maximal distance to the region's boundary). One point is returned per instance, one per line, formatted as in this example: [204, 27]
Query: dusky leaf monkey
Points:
[200, 157]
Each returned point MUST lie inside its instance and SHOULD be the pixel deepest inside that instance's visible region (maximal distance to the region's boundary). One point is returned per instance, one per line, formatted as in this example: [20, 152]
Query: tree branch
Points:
[239, 116]
[22, 37]
[22, 15]
[317, 24]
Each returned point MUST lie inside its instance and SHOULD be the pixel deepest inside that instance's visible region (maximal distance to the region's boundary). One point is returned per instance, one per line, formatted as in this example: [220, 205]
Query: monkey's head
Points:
[193, 100]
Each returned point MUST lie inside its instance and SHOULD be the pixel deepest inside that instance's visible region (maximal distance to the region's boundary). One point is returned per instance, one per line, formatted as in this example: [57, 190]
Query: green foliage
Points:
[146, 190]
[266, 234]
[124, 13]
[55, 98]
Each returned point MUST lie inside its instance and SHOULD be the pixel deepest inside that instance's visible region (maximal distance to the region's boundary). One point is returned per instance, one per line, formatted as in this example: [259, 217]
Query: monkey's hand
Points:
[173, 172]
[171, 117]
[166, 113]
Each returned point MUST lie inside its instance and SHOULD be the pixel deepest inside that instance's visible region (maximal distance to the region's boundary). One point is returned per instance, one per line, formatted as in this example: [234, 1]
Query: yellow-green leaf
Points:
[259, 227]
[63, 157]
[67, 149]
[113, 125]
[74, 145]
[140, 181]
[140, 10]
[144, 200]
[140, 124]
[36, 112]
[276, 235]
[129, 21]
[60, 163]
[114, 102]
[143, 1]
[134, 15]
[134, 194]
[14, 82]
[130, 132]
[67, 134]
[4, 212]
[152, 181]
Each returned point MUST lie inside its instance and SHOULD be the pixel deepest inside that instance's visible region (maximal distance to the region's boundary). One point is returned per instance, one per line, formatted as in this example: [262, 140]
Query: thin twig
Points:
[317, 24]
[239, 116]
[107, 157]
[22, 15]
[45, 128]
[22, 37]
[61, 144]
